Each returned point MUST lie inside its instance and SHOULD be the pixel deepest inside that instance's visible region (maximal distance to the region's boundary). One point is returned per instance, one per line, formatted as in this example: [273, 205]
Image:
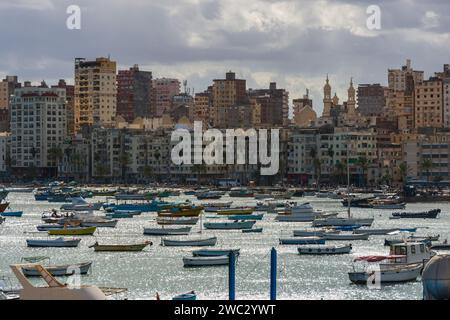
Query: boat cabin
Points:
[412, 252]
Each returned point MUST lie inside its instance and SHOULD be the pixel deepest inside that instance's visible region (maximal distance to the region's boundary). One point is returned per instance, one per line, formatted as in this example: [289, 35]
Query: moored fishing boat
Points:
[376, 231]
[100, 223]
[16, 214]
[59, 270]
[214, 252]
[324, 249]
[46, 227]
[55, 243]
[181, 212]
[241, 193]
[80, 204]
[190, 296]
[313, 233]
[246, 217]
[209, 195]
[235, 211]
[120, 247]
[214, 206]
[253, 230]
[206, 261]
[343, 236]
[189, 242]
[302, 241]
[387, 274]
[76, 231]
[177, 221]
[342, 222]
[167, 231]
[236, 225]
[431, 214]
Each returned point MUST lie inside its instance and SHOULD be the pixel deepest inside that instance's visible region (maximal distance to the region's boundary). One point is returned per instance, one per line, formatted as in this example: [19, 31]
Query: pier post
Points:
[232, 276]
[273, 274]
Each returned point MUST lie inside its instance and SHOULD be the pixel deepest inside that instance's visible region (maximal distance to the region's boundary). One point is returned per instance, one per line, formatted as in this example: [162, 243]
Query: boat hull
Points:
[229, 225]
[177, 221]
[189, 243]
[121, 248]
[53, 243]
[16, 214]
[225, 212]
[324, 250]
[166, 231]
[345, 236]
[60, 271]
[89, 231]
[214, 253]
[391, 275]
[206, 261]
[302, 241]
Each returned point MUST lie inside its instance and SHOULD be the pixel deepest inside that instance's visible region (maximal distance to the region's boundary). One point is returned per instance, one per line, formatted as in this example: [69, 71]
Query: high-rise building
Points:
[95, 92]
[202, 107]
[226, 93]
[134, 89]
[445, 76]
[274, 104]
[38, 126]
[163, 91]
[428, 110]
[371, 99]
[397, 78]
[70, 101]
[7, 87]
[4, 136]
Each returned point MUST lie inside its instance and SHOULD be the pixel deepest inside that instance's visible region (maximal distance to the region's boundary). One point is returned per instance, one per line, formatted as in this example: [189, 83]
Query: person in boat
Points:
[54, 213]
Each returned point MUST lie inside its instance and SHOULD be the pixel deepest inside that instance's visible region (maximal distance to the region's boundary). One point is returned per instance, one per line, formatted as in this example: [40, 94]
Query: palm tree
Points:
[340, 171]
[403, 167]
[363, 162]
[55, 154]
[125, 161]
[426, 166]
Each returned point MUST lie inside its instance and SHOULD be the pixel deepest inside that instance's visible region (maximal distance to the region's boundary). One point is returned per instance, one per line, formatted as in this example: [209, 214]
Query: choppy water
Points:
[160, 269]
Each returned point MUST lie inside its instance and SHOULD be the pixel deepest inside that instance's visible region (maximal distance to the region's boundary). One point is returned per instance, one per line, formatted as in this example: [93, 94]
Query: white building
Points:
[38, 126]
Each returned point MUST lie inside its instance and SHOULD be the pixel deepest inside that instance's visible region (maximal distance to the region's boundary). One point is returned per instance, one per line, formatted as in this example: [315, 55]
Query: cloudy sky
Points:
[293, 42]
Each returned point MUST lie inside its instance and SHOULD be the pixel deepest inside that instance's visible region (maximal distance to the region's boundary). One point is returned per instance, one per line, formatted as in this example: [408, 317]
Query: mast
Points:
[348, 178]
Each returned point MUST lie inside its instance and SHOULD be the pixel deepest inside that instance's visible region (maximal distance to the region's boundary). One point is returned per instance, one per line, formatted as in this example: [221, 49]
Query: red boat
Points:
[3, 206]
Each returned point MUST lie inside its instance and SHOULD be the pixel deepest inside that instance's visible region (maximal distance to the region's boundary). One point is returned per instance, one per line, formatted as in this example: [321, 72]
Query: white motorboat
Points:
[324, 249]
[80, 204]
[189, 242]
[206, 261]
[387, 274]
[167, 231]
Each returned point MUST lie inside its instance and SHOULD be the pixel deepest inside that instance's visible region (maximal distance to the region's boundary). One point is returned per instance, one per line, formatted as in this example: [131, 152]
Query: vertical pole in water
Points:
[273, 274]
[232, 276]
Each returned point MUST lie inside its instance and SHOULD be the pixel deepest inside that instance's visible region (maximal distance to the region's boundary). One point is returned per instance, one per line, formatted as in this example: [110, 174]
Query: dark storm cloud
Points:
[295, 43]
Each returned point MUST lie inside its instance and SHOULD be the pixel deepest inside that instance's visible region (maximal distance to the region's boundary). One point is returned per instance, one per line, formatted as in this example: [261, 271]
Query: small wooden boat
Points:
[324, 249]
[253, 230]
[440, 246]
[47, 227]
[431, 214]
[181, 212]
[59, 270]
[100, 224]
[214, 252]
[115, 215]
[236, 225]
[313, 233]
[177, 221]
[189, 242]
[376, 231]
[329, 222]
[54, 243]
[120, 247]
[77, 231]
[167, 231]
[17, 214]
[342, 236]
[302, 241]
[235, 211]
[190, 296]
[246, 217]
[206, 261]
[388, 274]
[346, 228]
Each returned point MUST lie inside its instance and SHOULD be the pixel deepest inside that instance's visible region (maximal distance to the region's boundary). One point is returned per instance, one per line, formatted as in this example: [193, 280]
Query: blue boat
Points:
[12, 214]
[186, 296]
[115, 215]
[254, 230]
[408, 230]
[246, 217]
[143, 207]
[347, 228]
[214, 252]
[303, 240]
[132, 212]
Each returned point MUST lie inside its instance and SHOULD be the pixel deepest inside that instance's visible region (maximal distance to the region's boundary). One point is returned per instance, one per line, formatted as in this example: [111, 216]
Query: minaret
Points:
[351, 102]
[327, 102]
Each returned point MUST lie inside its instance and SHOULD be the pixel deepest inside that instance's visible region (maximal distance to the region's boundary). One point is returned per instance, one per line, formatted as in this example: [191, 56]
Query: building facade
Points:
[163, 91]
[95, 92]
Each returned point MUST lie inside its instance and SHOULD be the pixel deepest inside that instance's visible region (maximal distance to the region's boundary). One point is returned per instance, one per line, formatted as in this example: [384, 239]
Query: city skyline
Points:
[294, 43]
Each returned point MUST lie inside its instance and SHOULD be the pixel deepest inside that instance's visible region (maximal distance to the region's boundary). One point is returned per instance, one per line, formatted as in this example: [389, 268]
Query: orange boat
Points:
[181, 212]
[3, 206]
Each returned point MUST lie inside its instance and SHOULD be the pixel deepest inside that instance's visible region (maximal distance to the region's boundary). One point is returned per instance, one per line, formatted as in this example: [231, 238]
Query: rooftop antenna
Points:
[185, 86]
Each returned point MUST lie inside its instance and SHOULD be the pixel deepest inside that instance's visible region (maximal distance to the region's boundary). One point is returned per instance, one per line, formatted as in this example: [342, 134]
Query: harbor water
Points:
[160, 269]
